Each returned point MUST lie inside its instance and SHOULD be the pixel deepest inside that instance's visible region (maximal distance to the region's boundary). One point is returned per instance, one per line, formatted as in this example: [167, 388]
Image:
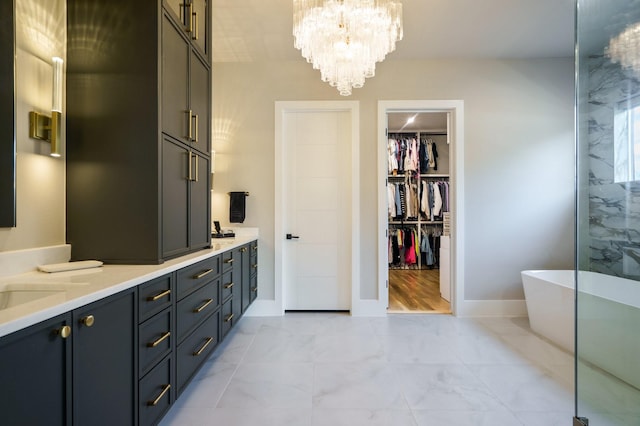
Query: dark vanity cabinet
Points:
[138, 131]
[87, 353]
[35, 369]
[125, 359]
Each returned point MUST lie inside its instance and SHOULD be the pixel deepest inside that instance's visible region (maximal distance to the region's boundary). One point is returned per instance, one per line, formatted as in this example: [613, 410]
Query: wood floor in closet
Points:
[416, 290]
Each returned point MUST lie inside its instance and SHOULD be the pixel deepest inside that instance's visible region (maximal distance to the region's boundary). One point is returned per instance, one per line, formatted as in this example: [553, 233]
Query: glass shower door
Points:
[608, 213]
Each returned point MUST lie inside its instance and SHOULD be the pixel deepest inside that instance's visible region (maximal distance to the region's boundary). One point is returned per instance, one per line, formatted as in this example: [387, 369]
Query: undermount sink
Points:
[19, 293]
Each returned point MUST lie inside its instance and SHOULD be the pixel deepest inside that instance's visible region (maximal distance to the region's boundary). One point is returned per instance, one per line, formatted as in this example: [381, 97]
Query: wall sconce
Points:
[47, 128]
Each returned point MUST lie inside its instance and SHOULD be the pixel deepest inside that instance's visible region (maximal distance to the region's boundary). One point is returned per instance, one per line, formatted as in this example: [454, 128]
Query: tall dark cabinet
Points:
[138, 129]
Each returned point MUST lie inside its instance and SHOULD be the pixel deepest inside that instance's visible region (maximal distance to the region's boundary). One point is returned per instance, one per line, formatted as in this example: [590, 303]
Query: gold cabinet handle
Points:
[157, 342]
[159, 296]
[155, 401]
[189, 167]
[195, 156]
[254, 289]
[194, 18]
[229, 260]
[189, 129]
[202, 274]
[254, 266]
[195, 126]
[89, 320]
[199, 351]
[229, 285]
[254, 247]
[227, 319]
[207, 303]
[190, 15]
[243, 249]
[64, 331]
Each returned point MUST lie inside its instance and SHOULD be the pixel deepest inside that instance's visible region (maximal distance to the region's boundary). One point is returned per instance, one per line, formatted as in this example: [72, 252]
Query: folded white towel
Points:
[70, 266]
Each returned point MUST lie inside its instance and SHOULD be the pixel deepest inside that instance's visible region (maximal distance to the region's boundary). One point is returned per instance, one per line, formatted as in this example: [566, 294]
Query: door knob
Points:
[292, 237]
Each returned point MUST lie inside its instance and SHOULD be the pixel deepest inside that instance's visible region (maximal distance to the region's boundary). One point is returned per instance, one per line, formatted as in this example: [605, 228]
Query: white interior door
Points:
[317, 210]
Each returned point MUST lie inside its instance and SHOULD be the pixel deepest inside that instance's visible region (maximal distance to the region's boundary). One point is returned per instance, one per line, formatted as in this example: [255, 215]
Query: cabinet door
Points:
[175, 199]
[200, 204]
[200, 25]
[245, 260]
[35, 371]
[200, 105]
[237, 275]
[104, 372]
[177, 9]
[176, 119]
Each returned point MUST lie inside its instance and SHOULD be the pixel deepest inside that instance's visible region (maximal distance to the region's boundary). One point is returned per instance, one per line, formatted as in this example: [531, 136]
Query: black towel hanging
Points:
[237, 206]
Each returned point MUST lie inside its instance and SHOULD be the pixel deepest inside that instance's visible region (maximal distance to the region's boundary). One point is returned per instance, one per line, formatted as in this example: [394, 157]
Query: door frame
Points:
[281, 109]
[455, 108]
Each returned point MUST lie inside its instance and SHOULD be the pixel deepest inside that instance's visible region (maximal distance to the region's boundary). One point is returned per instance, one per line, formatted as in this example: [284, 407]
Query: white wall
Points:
[518, 157]
[40, 35]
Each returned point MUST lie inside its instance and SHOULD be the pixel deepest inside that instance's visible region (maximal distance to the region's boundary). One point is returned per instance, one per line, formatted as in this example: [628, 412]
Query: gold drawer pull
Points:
[243, 249]
[227, 319]
[228, 261]
[207, 303]
[198, 352]
[64, 331]
[202, 274]
[254, 289]
[254, 247]
[255, 266]
[155, 401]
[158, 296]
[228, 286]
[89, 320]
[157, 342]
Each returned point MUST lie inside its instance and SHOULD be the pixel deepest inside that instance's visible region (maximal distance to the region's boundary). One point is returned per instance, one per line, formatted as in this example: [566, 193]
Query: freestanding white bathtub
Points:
[608, 317]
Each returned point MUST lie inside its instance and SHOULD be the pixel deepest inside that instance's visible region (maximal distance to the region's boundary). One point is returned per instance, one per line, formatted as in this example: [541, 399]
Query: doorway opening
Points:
[418, 207]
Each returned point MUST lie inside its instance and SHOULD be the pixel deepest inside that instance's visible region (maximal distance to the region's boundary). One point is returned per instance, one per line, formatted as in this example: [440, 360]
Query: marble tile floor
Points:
[315, 369]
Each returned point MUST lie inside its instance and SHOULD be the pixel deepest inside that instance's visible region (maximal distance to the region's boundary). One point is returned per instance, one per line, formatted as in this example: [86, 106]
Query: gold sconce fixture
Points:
[47, 128]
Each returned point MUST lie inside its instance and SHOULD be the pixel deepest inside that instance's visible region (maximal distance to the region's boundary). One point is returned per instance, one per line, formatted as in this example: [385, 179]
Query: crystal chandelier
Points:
[625, 48]
[345, 38]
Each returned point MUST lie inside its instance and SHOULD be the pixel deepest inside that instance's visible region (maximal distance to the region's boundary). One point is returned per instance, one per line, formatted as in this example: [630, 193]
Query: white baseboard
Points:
[264, 308]
[492, 308]
[368, 308]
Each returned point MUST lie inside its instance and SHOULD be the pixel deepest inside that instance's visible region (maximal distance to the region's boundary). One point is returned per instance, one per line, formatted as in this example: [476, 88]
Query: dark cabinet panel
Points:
[155, 339]
[175, 82]
[197, 275]
[104, 341]
[156, 393]
[175, 198]
[245, 257]
[199, 203]
[155, 295]
[200, 105]
[193, 309]
[200, 25]
[35, 367]
[196, 349]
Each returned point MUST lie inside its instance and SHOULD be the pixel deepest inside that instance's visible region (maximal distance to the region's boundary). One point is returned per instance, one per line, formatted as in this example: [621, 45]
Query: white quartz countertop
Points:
[78, 288]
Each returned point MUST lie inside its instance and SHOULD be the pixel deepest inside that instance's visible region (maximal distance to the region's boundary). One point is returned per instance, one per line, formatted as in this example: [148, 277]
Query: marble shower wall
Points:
[613, 243]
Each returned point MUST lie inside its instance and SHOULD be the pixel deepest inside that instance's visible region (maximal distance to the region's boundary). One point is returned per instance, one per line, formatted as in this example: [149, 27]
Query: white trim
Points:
[456, 109]
[264, 308]
[492, 308]
[281, 108]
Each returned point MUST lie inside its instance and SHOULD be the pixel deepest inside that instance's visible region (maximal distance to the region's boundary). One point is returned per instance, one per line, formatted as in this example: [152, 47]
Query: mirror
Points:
[7, 116]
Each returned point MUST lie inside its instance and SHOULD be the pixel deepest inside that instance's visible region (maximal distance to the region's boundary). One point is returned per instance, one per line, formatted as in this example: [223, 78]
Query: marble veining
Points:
[613, 240]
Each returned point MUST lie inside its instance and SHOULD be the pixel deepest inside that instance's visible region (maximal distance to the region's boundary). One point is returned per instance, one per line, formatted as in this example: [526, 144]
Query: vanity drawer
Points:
[155, 296]
[228, 286]
[154, 340]
[195, 276]
[228, 258]
[196, 349]
[227, 317]
[193, 309]
[156, 394]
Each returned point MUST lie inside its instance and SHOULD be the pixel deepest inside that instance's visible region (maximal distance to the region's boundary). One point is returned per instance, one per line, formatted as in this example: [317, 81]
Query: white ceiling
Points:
[260, 30]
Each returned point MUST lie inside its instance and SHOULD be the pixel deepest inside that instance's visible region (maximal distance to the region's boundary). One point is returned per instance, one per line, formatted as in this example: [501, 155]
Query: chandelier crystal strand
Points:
[345, 38]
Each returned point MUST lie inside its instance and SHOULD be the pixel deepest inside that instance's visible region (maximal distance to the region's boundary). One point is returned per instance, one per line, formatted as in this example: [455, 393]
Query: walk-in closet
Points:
[418, 188]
